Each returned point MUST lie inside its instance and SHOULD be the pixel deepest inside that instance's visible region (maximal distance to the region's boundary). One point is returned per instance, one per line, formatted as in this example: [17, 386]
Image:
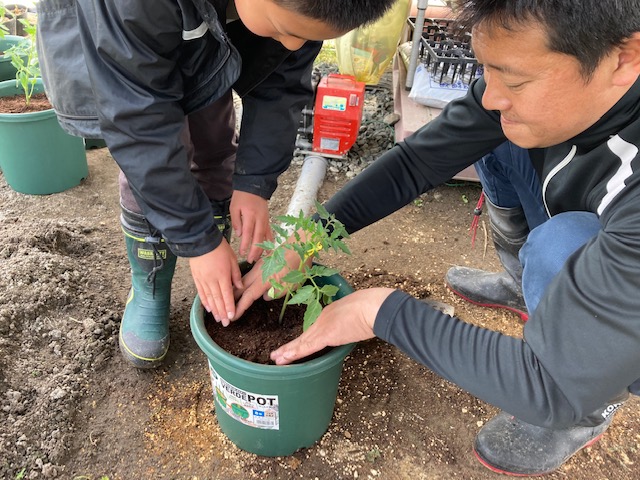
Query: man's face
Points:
[542, 98]
[267, 19]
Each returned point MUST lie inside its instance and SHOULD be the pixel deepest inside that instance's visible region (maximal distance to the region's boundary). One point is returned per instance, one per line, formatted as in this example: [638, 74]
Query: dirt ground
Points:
[70, 407]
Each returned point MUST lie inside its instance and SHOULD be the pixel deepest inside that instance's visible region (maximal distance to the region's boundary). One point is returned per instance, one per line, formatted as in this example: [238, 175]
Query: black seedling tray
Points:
[447, 52]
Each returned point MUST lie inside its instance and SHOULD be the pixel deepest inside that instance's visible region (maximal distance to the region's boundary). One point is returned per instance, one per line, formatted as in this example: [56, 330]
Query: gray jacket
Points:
[130, 71]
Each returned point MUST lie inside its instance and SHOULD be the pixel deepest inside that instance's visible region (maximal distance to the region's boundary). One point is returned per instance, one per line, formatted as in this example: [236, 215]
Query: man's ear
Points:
[628, 68]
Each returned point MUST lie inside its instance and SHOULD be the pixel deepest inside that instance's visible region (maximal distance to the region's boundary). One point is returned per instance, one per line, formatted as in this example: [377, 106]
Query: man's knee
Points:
[548, 247]
[551, 243]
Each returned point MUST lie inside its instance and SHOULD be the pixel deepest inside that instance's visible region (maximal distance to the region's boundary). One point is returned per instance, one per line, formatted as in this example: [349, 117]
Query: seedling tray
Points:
[447, 52]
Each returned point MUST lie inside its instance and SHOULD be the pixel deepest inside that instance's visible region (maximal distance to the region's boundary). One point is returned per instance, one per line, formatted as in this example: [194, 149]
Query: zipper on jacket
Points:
[565, 161]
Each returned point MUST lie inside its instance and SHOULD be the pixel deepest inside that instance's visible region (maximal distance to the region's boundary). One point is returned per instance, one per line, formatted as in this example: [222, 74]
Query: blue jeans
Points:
[509, 180]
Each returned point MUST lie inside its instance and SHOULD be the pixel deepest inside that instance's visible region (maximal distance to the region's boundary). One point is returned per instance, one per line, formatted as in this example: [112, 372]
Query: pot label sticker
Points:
[253, 409]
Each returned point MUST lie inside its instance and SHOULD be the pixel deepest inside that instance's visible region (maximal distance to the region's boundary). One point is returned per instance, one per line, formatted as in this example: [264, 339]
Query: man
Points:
[561, 85]
[154, 79]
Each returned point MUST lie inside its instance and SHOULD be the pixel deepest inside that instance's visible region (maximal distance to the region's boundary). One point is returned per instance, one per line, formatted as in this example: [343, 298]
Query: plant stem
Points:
[284, 306]
[288, 296]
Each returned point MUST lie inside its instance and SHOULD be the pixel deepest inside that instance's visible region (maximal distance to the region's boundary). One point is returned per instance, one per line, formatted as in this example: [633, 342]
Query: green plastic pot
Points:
[8, 71]
[38, 157]
[272, 410]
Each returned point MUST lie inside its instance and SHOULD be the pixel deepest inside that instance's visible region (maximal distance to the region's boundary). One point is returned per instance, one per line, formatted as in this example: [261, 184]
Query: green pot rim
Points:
[213, 351]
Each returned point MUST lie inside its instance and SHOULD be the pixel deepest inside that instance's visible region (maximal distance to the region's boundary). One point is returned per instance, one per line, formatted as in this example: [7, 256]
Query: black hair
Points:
[585, 29]
[343, 15]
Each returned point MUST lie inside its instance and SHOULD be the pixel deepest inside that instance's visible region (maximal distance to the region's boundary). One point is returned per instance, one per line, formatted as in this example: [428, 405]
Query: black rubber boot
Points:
[144, 331]
[512, 447]
[502, 289]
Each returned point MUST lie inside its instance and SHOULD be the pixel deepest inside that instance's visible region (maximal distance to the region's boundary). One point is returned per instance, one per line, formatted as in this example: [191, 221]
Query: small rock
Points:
[391, 119]
[58, 393]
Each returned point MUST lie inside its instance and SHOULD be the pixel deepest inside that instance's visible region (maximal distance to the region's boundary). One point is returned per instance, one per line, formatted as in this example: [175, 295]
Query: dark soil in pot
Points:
[16, 104]
[259, 331]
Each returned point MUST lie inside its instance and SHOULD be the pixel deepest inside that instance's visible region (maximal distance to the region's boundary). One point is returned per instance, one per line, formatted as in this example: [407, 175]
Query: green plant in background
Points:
[3, 28]
[327, 53]
[309, 239]
[24, 57]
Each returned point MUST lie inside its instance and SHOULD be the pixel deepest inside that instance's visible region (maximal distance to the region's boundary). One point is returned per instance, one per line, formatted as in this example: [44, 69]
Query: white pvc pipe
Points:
[311, 177]
[415, 44]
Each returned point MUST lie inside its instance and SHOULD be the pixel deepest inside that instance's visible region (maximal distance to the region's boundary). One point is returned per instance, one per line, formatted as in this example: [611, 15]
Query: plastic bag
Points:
[366, 52]
[428, 90]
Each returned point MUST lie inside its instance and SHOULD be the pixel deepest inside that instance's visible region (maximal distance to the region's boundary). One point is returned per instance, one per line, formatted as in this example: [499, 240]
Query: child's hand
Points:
[215, 274]
[250, 220]
[254, 287]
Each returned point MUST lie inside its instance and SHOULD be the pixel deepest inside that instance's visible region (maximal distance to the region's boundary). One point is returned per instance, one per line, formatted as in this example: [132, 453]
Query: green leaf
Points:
[294, 277]
[283, 233]
[287, 219]
[301, 250]
[302, 295]
[327, 300]
[273, 264]
[329, 290]
[321, 210]
[277, 284]
[311, 314]
[321, 271]
[343, 247]
[266, 245]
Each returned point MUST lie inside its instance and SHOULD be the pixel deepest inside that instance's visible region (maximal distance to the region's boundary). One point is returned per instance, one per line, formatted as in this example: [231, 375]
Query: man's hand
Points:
[250, 220]
[347, 320]
[215, 274]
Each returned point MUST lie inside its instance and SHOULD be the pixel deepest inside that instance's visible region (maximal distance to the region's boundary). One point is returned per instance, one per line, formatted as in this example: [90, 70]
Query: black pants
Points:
[210, 138]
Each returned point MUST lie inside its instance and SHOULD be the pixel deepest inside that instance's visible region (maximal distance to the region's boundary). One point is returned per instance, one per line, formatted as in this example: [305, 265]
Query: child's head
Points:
[292, 22]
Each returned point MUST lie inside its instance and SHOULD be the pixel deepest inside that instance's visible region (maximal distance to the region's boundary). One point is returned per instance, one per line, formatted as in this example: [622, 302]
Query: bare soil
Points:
[72, 408]
[17, 104]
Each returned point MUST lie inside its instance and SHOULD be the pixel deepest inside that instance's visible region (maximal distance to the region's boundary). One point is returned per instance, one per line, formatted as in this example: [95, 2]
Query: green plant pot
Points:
[8, 71]
[272, 410]
[37, 157]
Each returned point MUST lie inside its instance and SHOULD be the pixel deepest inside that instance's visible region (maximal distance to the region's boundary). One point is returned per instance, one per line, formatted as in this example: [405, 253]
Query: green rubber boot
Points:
[222, 218]
[144, 331]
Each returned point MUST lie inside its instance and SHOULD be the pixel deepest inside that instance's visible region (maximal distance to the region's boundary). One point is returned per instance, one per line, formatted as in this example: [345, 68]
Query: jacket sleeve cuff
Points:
[206, 244]
[387, 314]
[262, 185]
